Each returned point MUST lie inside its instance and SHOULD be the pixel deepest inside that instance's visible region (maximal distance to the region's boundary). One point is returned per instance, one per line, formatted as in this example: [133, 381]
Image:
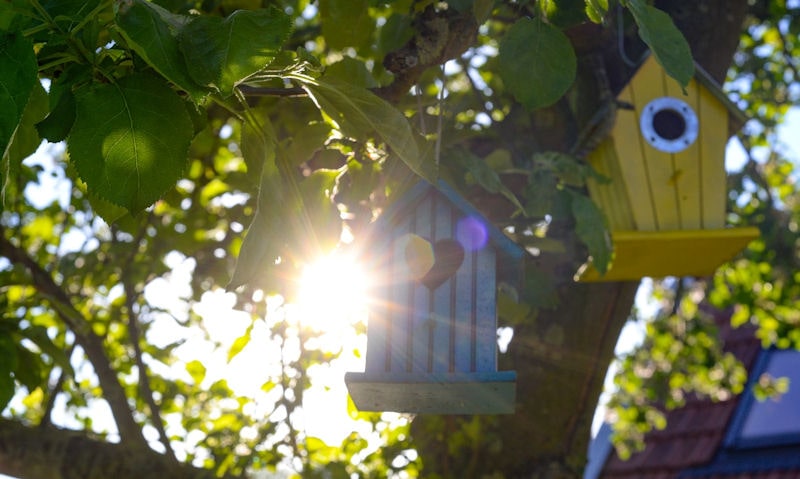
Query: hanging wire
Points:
[420, 110]
[440, 106]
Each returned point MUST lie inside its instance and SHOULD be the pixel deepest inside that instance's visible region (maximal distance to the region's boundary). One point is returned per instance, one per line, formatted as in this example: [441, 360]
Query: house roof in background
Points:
[695, 432]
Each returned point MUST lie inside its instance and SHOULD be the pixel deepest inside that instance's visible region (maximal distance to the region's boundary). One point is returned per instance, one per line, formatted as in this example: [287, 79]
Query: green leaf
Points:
[395, 33]
[346, 23]
[352, 71]
[56, 126]
[130, 140]
[590, 226]
[38, 334]
[196, 370]
[536, 62]
[152, 32]
[357, 112]
[262, 242]
[25, 139]
[240, 343]
[596, 10]
[308, 139]
[223, 53]
[68, 12]
[18, 73]
[666, 42]
[320, 210]
[8, 364]
[488, 178]
[30, 370]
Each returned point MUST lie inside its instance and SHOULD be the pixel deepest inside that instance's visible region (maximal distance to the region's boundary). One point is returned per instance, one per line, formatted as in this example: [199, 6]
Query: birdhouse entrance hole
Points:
[433, 264]
[669, 124]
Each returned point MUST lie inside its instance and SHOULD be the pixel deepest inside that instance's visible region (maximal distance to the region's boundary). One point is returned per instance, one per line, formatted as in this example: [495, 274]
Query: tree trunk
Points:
[53, 453]
[562, 359]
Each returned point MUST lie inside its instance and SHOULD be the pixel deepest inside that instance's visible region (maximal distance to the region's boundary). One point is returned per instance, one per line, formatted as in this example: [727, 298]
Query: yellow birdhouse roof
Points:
[736, 117]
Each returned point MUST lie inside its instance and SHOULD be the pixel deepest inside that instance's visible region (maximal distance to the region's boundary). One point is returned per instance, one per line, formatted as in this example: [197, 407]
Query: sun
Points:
[332, 293]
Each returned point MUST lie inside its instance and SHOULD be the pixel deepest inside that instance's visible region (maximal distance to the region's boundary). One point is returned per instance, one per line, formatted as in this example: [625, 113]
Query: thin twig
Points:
[257, 91]
[144, 380]
[51, 399]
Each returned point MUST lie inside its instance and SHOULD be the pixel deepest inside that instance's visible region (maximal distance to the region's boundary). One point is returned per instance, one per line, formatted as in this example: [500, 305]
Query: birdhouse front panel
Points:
[432, 330]
[438, 308]
[671, 147]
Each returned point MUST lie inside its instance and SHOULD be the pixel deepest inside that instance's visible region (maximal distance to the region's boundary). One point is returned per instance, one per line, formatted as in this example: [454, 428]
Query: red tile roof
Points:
[695, 432]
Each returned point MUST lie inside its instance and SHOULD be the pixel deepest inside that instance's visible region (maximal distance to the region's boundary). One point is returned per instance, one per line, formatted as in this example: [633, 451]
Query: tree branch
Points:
[114, 394]
[54, 453]
[144, 381]
[440, 36]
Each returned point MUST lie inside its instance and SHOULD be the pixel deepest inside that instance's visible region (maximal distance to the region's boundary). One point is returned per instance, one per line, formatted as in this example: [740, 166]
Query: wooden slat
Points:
[714, 128]
[649, 84]
[630, 151]
[687, 169]
[464, 314]
[442, 304]
[612, 197]
[396, 308]
[419, 326]
[485, 312]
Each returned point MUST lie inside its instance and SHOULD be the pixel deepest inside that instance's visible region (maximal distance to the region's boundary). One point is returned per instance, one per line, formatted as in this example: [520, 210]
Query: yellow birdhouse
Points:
[666, 199]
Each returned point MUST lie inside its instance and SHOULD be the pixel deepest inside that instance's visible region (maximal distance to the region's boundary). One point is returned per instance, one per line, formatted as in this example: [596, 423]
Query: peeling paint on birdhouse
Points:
[432, 330]
[666, 161]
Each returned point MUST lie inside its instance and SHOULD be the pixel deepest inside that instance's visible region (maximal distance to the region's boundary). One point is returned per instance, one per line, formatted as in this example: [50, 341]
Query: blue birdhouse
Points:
[432, 332]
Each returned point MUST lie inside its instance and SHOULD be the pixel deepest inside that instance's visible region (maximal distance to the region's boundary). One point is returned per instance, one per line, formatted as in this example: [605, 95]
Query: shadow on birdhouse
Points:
[432, 330]
[666, 160]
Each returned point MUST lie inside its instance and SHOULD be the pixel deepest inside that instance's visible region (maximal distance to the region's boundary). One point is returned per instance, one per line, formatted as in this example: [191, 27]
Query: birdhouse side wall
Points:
[612, 195]
[714, 121]
[451, 328]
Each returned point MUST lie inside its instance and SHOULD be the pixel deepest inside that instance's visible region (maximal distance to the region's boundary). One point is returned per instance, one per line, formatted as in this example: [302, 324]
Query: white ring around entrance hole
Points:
[669, 124]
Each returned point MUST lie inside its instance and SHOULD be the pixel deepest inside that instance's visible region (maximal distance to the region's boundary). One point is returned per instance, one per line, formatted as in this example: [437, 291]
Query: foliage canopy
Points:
[175, 125]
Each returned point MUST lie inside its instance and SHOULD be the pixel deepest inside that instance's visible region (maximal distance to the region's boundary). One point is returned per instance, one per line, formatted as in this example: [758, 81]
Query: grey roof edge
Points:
[509, 248]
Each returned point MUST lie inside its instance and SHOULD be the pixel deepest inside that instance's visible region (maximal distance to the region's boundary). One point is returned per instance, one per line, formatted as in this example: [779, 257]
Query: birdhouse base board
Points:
[434, 393]
[656, 254]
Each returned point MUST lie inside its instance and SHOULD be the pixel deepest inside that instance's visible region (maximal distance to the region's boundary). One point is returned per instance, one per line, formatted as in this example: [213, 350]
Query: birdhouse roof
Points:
[509, 253]
[737, 117]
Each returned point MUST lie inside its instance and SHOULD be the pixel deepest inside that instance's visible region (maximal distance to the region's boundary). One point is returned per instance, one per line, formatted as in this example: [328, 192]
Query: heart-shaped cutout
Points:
[432, 266]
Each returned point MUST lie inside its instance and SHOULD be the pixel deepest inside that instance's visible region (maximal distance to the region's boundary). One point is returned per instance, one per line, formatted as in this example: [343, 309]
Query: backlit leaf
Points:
[151, 31]
[357, 112]
[590, 226]
[222, 53]
[262, 241]
[196, 370]
[596, 10]
[130, 140]
[536, 62]
[240, 343]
